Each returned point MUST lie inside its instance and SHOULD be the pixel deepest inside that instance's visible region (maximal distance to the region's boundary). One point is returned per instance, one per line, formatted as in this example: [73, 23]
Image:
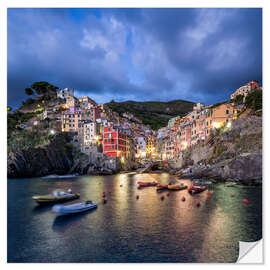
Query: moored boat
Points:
[73, 208]
[161, 186]
[147, 184]
[196, 189]
[55, 197]
[177, 187]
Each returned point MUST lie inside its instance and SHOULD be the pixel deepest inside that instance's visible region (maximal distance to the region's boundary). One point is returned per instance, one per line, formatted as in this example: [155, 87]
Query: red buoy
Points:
[198, 204]
[104, 201]
[168, 194]
[232, 195]
[209, 193]
[137, 197]
[162, 197]
[245, 201]
[183, 199]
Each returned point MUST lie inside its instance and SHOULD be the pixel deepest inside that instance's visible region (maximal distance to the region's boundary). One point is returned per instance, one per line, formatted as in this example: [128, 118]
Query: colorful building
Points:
[86, 103]
[140, 147]
[151, 147]
[115, 142]
[71, 118]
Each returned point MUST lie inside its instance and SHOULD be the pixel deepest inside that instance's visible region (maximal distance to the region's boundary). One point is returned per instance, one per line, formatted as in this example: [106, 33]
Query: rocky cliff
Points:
[60, 157]
[234, 154]
[53, 158]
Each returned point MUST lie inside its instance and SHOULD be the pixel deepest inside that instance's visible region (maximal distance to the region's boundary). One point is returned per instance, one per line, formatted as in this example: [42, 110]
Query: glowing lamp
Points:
[216, 124]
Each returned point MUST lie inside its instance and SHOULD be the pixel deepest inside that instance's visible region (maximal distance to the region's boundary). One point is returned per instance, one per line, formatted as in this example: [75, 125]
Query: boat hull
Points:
[49, 199]
[162, 187]
[177, 187]
[147, 184]
[196, 189]
[63, 210]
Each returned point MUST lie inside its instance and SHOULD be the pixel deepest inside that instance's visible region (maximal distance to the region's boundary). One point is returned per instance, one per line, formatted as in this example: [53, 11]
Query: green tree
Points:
[238, 99]
[29, 101]
[29, 91]
[254, 100]
[42, 88]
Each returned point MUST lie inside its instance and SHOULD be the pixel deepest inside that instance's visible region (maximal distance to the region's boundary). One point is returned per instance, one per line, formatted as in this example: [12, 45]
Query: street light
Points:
[217, 124]
[52, 132]
[184, 144]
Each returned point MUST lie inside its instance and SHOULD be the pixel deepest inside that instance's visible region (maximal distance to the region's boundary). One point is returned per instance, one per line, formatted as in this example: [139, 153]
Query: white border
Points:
[139, 3]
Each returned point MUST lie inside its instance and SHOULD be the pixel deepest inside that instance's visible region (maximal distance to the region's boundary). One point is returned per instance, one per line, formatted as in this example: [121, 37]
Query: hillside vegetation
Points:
[153, 113]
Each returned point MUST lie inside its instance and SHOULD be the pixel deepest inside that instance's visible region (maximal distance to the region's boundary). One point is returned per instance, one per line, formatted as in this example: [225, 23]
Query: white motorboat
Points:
[73, 208]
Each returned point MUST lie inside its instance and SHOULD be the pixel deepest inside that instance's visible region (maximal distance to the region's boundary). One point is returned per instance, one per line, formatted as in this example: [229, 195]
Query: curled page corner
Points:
[250, 252]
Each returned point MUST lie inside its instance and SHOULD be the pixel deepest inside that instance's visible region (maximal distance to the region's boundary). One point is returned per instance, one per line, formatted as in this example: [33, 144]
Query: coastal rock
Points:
[234, 155]
[245, 169]
[54, 158]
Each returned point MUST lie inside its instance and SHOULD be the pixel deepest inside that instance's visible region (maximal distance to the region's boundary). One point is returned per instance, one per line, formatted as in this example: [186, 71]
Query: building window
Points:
[227, 111]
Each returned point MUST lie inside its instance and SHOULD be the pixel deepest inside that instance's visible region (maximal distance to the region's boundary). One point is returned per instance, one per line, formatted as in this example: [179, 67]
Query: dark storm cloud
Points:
[141, 54]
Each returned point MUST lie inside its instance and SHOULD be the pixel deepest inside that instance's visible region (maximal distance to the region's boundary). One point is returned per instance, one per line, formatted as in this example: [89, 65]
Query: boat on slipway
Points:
[56, 197]
[73, 208]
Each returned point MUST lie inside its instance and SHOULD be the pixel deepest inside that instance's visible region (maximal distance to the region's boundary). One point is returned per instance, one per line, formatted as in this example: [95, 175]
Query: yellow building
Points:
[151, 150]
[218, 116]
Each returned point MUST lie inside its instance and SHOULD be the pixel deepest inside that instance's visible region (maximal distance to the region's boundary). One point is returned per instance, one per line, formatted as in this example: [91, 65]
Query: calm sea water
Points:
[130, 230]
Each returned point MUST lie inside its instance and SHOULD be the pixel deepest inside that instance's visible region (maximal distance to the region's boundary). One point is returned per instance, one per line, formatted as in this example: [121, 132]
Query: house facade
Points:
[115, 142]
[64, 93]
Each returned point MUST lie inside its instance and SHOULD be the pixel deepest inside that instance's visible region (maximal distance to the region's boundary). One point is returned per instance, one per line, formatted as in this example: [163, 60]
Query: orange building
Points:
[217, 116]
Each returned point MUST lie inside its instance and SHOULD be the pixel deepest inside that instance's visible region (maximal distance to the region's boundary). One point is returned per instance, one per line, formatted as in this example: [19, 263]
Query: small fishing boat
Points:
[73, 208]
[147, 184]
[177, 187]
[161, 187]
[196, 189]
[55, 197]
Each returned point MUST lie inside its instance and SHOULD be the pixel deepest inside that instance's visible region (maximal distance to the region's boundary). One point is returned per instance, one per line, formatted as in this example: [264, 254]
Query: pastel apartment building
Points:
[151, 146]
[89, 136]
[70, 119]
[86, 103]
[72, 102]
[141, 146]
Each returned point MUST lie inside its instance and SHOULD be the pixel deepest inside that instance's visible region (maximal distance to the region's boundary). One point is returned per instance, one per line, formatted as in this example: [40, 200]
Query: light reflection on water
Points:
[130, 230]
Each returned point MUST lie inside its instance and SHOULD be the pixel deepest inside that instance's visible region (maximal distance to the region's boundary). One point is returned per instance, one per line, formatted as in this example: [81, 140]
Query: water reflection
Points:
[127, 229]
[61, 223]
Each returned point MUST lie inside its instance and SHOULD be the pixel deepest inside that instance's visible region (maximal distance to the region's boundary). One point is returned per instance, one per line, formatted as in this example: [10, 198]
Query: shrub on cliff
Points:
[254, 100]
[238, 99]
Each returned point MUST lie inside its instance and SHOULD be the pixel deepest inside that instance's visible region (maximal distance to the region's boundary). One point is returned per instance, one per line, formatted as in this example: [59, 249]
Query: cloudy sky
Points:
[135, 54]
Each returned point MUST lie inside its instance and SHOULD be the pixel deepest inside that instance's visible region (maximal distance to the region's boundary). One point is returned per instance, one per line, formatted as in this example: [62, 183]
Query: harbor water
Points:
[130, 229]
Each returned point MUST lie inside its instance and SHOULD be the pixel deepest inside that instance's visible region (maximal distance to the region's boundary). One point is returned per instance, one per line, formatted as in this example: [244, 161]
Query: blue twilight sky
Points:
[135, 54]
